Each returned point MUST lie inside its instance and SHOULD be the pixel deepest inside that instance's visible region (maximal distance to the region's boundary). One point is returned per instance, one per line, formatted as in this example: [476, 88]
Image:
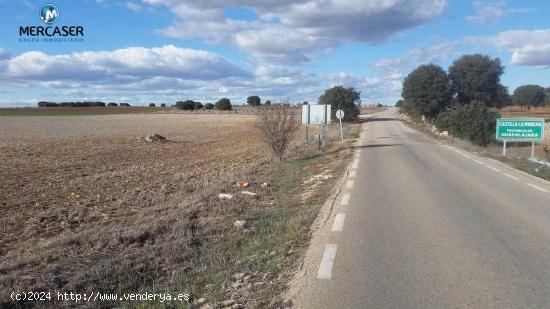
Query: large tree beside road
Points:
[346, 99]
[477, 78]
[426, 91]
[529, 96]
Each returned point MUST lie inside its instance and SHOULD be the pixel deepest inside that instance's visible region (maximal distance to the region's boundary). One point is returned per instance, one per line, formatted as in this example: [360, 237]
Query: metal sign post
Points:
[340, 115]
[307, 127]
[316, 115]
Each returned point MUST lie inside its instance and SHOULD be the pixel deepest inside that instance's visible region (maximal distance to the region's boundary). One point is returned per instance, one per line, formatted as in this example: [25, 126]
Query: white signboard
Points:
[316, 114]
[340, 114]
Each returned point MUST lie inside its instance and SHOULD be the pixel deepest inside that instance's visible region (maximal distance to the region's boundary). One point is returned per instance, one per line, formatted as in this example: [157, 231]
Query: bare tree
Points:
[278, 125]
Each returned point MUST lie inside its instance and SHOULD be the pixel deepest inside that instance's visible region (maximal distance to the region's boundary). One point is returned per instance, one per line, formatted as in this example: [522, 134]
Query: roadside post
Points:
[520, 130]
[340, 115]
[307, 127]
[316, 114]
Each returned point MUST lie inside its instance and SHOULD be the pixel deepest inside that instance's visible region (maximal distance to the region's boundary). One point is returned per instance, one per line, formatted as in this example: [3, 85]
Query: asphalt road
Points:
[424, 225]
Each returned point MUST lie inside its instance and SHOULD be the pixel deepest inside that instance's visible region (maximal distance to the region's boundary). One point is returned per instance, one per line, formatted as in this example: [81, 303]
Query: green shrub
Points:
[208, 106]
[224, 104]
[198, 105]
[253, 100]
[474, 122]
[443, 121]
[152, 105]
[187, 105]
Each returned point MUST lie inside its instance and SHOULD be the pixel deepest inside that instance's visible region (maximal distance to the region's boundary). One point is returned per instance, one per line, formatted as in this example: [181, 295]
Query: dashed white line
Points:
[327, 262]
[350, 184]
[352, 174]
[510, 176]
[345, 199]
[479, 162]
[355, 163]
[493, 169]
[338, 224]
[536, 187]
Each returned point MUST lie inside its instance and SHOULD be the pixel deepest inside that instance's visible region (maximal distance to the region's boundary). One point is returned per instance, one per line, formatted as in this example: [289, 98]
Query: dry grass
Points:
[89, 206]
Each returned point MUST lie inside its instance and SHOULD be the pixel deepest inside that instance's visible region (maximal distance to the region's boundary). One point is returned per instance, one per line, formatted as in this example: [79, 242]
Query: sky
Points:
[163, 51]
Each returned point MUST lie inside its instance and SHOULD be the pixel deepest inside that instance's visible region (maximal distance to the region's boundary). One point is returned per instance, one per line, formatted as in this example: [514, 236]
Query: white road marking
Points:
[477, 161]
[350, 184]
[338, 224]
[536, 187]
[327, 262]
[465, 155]
[345, 199]
[494, 169]
[352, 174]
[510, 176]
[355, 163]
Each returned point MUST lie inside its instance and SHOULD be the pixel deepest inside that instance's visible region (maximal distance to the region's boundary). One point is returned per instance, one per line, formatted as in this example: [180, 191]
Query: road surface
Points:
[420, 224]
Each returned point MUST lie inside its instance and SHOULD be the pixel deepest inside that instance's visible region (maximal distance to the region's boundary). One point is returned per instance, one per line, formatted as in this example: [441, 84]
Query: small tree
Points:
[152, 105]
[268, 102]
[254, 100]
[547, 95]
[163, 105]
[112, 104]
[427, 92]
[197, 105]
[185, 105]
[224, 104]
[278, 125]
[529, 96]
[208, 106]
[342, 98]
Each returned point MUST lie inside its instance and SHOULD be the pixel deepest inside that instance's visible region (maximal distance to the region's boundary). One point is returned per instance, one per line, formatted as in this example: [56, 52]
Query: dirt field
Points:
[88, 205]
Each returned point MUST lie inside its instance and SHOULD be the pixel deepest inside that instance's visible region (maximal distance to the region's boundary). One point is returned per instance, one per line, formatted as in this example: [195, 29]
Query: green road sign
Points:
[520, 129]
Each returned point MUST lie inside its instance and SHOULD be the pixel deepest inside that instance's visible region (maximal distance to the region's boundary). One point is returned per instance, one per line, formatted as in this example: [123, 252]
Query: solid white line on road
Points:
[494, 169]
[352, 174]
[345, 199]
[350, 184]
[325, 268]
[338, 224]
[477, 161]
[537, 187]
[355, 163]
[465, 155]
[510, 176]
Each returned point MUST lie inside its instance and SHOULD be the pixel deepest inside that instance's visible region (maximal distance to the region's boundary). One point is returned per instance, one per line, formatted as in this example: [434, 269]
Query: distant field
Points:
[516, 111]
[77, 111]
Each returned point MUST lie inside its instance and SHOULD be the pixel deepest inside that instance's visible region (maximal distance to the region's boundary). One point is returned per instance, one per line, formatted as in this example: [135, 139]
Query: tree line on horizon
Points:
[464, 100]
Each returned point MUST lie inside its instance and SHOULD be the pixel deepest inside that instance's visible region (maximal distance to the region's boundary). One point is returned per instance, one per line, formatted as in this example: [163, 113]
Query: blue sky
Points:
[145, 51]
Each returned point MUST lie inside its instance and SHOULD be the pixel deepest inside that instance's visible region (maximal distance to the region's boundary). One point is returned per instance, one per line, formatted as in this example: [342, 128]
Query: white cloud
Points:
[134, 6]
[492, 11]
[122, 65]
[528, 47]
[437, 54]
[379, 89]
[164, 74]
[292, 32]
